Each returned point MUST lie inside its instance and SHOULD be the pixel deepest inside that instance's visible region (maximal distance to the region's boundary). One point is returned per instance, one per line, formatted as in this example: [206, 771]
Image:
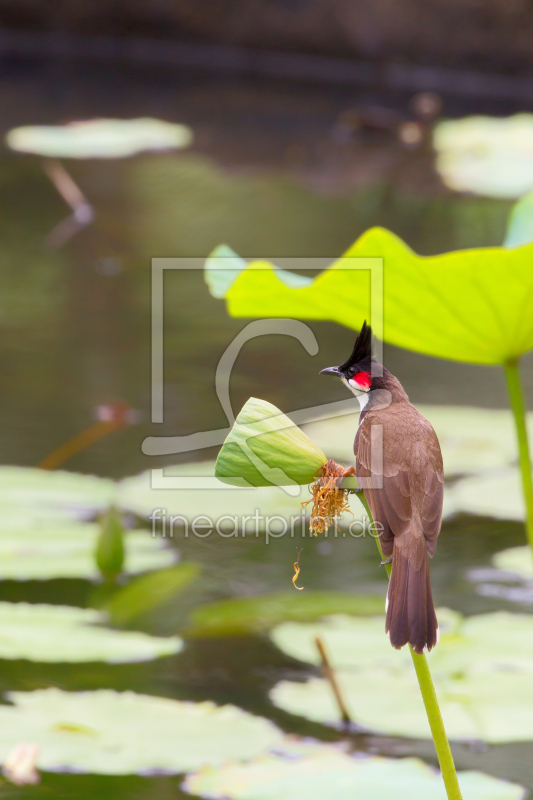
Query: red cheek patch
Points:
[363, 379]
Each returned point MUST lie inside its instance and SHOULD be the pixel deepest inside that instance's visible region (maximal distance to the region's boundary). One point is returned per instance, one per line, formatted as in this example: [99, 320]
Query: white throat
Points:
[363, 400]
[361, 395]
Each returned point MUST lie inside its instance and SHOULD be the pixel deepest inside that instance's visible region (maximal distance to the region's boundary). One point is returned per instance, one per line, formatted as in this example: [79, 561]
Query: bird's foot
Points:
[348, 472]
[388, 561]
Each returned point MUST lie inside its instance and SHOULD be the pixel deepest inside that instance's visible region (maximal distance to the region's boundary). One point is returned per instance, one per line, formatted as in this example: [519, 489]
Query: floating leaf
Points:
[472, 439]
[150, 591]
[61, 633]
[480, 297]
[114, 733]
[520, 223]
[244, 615]
[484, 707]
[219, 280]
[321, 771]
[352, 643]
[41, 494]
[66, 550]
[516, 560]
[488, 156]
[265, 448]
[99, 138]
[481, 669]
[496, 495]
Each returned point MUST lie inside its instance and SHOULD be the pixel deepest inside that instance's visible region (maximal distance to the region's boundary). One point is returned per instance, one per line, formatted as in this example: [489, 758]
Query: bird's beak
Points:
[331, 371]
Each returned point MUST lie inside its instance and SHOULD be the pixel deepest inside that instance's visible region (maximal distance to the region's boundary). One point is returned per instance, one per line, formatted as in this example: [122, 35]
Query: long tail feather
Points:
[411, 616]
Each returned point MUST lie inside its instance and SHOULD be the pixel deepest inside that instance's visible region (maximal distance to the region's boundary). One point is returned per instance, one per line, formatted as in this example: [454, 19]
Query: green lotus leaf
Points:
[112, 733]
[473, 440]
[481, 669]
[66, 550]
[352, 643]
[222, 268]
[485, 707]
[64, 634]
[150, 591]
[28, 493]
[520, 223]
[244, 615]
[496, 495]
[265, 448]
[490, 156]
[318, 771]
[516, 560]
[99, 138]
[480, 298]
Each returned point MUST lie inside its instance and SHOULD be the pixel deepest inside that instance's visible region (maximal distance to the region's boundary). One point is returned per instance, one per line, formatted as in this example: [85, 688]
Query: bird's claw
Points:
[388, 561]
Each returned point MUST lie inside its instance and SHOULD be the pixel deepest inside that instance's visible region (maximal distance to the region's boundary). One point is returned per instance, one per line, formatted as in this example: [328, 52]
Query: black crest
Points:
[362, 351]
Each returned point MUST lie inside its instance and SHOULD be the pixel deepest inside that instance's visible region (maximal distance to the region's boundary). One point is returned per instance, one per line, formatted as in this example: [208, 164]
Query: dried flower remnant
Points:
[329, 499]
[296, 566]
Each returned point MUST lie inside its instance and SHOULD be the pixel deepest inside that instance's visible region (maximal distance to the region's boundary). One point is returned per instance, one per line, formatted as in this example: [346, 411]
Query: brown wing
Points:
[407, 481]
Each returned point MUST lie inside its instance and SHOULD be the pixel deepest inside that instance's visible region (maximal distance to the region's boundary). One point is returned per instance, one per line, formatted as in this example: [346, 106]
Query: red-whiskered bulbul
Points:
[403, 487]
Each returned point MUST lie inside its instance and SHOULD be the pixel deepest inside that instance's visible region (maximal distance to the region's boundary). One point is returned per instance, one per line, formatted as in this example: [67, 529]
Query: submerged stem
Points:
[427, 689]
[516, 397]
[329, 674]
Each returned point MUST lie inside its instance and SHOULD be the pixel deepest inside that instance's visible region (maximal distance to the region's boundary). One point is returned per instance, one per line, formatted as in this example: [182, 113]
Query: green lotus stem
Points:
[438, 731]
[427, 689]
[516, 397]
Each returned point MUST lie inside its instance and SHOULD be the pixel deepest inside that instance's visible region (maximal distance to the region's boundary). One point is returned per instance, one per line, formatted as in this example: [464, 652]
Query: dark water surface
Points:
[268, 177]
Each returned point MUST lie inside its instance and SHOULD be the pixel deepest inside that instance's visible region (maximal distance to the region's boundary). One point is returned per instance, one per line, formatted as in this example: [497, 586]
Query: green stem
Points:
[516, 397]
[438, 731]
[427, 689]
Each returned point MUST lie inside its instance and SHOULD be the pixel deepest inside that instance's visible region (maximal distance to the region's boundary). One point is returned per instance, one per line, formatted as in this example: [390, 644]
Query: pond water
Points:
[268, 176]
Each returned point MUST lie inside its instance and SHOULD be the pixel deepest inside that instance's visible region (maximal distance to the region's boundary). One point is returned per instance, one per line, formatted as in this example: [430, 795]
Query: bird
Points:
[399, 469]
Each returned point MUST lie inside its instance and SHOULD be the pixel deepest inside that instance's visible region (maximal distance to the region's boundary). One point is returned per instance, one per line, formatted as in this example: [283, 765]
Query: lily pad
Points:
[511, 578]
[28, 493]
[352, 643]
[120, 733]
[473, 440]
[479, 296]
[66, 550]
[484, 707]
[516, 560]
[488, 156]
[481, 669]
[64, 634]
[322, 771]
[497, 495]
[520, 223]
[99, 138]
[246, 615]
